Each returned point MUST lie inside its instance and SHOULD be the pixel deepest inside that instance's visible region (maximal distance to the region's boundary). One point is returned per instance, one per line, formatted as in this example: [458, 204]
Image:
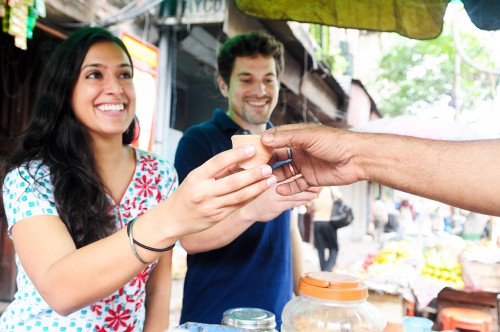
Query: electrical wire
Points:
[461, 52]
[129, 12]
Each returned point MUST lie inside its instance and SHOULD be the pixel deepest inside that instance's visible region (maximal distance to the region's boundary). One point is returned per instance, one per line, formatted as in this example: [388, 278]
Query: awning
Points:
[417, 19]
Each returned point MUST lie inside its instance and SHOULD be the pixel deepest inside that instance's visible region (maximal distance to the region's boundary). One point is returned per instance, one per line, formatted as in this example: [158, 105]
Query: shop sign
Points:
[204, 11]
[142, 51]
[145, 60]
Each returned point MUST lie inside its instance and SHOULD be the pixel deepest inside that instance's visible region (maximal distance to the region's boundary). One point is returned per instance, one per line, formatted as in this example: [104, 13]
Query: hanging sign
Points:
[204, 11]
[145, 61]
[19, 19]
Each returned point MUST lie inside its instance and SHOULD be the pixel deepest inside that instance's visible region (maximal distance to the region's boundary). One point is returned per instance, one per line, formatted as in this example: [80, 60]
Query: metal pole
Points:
[164, 83]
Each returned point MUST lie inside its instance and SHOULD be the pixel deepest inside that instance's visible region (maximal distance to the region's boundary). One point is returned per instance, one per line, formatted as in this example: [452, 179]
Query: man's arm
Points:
[158, 294]
[463, 174]
[264, 208]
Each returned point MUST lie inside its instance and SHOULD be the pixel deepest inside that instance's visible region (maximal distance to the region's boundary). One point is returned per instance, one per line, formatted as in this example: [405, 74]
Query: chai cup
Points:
[262, 152]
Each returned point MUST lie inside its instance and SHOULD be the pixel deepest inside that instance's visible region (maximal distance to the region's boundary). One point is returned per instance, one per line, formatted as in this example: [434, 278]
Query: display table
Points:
[389, 305]
[394, 327]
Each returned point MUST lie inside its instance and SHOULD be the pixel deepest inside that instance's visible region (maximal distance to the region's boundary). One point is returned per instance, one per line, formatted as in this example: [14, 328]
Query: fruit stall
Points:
[406, 276]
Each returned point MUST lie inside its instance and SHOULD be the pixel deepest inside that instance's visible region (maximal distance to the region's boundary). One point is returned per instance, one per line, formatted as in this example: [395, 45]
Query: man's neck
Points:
[252, 128]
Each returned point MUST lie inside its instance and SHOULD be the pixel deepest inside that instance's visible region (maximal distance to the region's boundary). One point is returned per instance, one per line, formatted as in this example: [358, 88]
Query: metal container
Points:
[253, 319]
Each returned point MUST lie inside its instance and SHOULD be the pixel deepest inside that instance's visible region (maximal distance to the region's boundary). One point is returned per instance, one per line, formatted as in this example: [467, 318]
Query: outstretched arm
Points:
[65, 276]
[264, 208]
[463, 174]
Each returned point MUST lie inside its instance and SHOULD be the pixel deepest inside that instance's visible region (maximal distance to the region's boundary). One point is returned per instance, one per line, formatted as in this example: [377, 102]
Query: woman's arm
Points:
[69, 279]
[158, 292]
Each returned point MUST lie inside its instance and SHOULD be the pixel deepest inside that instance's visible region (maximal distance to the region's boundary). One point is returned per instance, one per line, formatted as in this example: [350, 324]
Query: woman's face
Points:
[104, 96]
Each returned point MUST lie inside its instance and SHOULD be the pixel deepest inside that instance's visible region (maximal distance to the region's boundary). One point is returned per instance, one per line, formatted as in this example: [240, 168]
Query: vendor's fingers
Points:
[288, 135]
[279, 155]
[286, 171]
[293, 126]
[280, 174]
[297, 185]
[224, 160]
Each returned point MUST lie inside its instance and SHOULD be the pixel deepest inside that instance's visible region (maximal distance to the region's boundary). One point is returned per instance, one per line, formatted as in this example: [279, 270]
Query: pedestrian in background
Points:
[325, 235]
[379, 217]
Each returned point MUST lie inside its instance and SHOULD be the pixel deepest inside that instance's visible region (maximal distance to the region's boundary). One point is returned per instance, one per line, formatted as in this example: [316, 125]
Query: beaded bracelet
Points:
[129, 230]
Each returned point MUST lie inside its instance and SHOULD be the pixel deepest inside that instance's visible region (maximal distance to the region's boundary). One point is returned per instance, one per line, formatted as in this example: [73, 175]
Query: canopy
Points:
[417, 19]
[424, 127]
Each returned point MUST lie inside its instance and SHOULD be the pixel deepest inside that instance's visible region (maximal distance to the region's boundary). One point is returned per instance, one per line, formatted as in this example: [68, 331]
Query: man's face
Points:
[252, 92]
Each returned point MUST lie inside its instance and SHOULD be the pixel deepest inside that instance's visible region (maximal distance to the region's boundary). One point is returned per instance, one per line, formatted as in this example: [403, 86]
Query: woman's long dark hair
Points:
[55, 137]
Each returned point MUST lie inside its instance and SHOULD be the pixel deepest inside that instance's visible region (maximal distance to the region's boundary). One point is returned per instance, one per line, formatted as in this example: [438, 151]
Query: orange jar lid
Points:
[332, 286]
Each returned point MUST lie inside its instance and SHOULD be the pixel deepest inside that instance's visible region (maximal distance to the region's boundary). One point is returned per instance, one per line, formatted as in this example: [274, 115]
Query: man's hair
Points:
[249, 44]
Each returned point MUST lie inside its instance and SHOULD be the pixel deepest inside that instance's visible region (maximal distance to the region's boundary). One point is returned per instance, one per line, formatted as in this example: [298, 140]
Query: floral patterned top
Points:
[154, 180]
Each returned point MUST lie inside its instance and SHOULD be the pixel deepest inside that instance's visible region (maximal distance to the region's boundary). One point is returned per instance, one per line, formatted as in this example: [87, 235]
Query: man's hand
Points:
[270, 204]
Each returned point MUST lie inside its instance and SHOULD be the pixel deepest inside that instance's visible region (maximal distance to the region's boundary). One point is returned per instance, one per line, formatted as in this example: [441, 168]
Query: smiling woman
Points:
[104, 95]
[92, 218]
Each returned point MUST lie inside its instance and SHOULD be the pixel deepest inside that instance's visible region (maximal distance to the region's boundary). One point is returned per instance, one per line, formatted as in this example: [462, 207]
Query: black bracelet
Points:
[131, 240]
[129, 227]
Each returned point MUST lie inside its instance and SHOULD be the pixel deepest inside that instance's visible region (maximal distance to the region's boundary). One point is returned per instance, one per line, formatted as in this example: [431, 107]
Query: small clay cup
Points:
[262, 153]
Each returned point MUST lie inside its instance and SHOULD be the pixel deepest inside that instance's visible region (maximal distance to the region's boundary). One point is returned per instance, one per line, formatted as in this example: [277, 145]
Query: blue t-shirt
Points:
[255, 270]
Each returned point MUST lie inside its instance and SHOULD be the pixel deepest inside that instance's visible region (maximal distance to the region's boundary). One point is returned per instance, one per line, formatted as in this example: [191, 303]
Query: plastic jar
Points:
[330, 302]
[254, 319]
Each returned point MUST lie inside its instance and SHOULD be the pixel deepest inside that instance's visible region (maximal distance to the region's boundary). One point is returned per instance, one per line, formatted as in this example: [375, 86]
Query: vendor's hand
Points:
[205, 197]
[270, 204]
[321, 156]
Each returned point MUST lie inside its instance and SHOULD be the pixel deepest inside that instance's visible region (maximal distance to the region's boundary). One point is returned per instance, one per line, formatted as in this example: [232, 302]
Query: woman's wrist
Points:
[155, 230]
[244, 214]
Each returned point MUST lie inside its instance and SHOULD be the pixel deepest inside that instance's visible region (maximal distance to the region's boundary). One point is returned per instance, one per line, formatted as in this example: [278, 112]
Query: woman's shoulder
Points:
[153, 160]
[33, 171]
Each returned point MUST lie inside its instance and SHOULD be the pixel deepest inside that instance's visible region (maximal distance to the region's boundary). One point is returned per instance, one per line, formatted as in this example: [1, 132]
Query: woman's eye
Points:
[126, 75]
[94, 74]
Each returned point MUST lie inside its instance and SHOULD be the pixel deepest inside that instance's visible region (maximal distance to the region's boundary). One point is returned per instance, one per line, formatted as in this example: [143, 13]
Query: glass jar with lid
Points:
[254, 319]
[330, 302]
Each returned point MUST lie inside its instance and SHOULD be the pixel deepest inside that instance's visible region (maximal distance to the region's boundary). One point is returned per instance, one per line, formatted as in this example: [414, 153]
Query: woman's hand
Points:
[211, 192]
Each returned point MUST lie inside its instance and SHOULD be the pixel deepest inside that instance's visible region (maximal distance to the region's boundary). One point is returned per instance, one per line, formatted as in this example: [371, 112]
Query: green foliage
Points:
[417, 74]
[335, 61]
